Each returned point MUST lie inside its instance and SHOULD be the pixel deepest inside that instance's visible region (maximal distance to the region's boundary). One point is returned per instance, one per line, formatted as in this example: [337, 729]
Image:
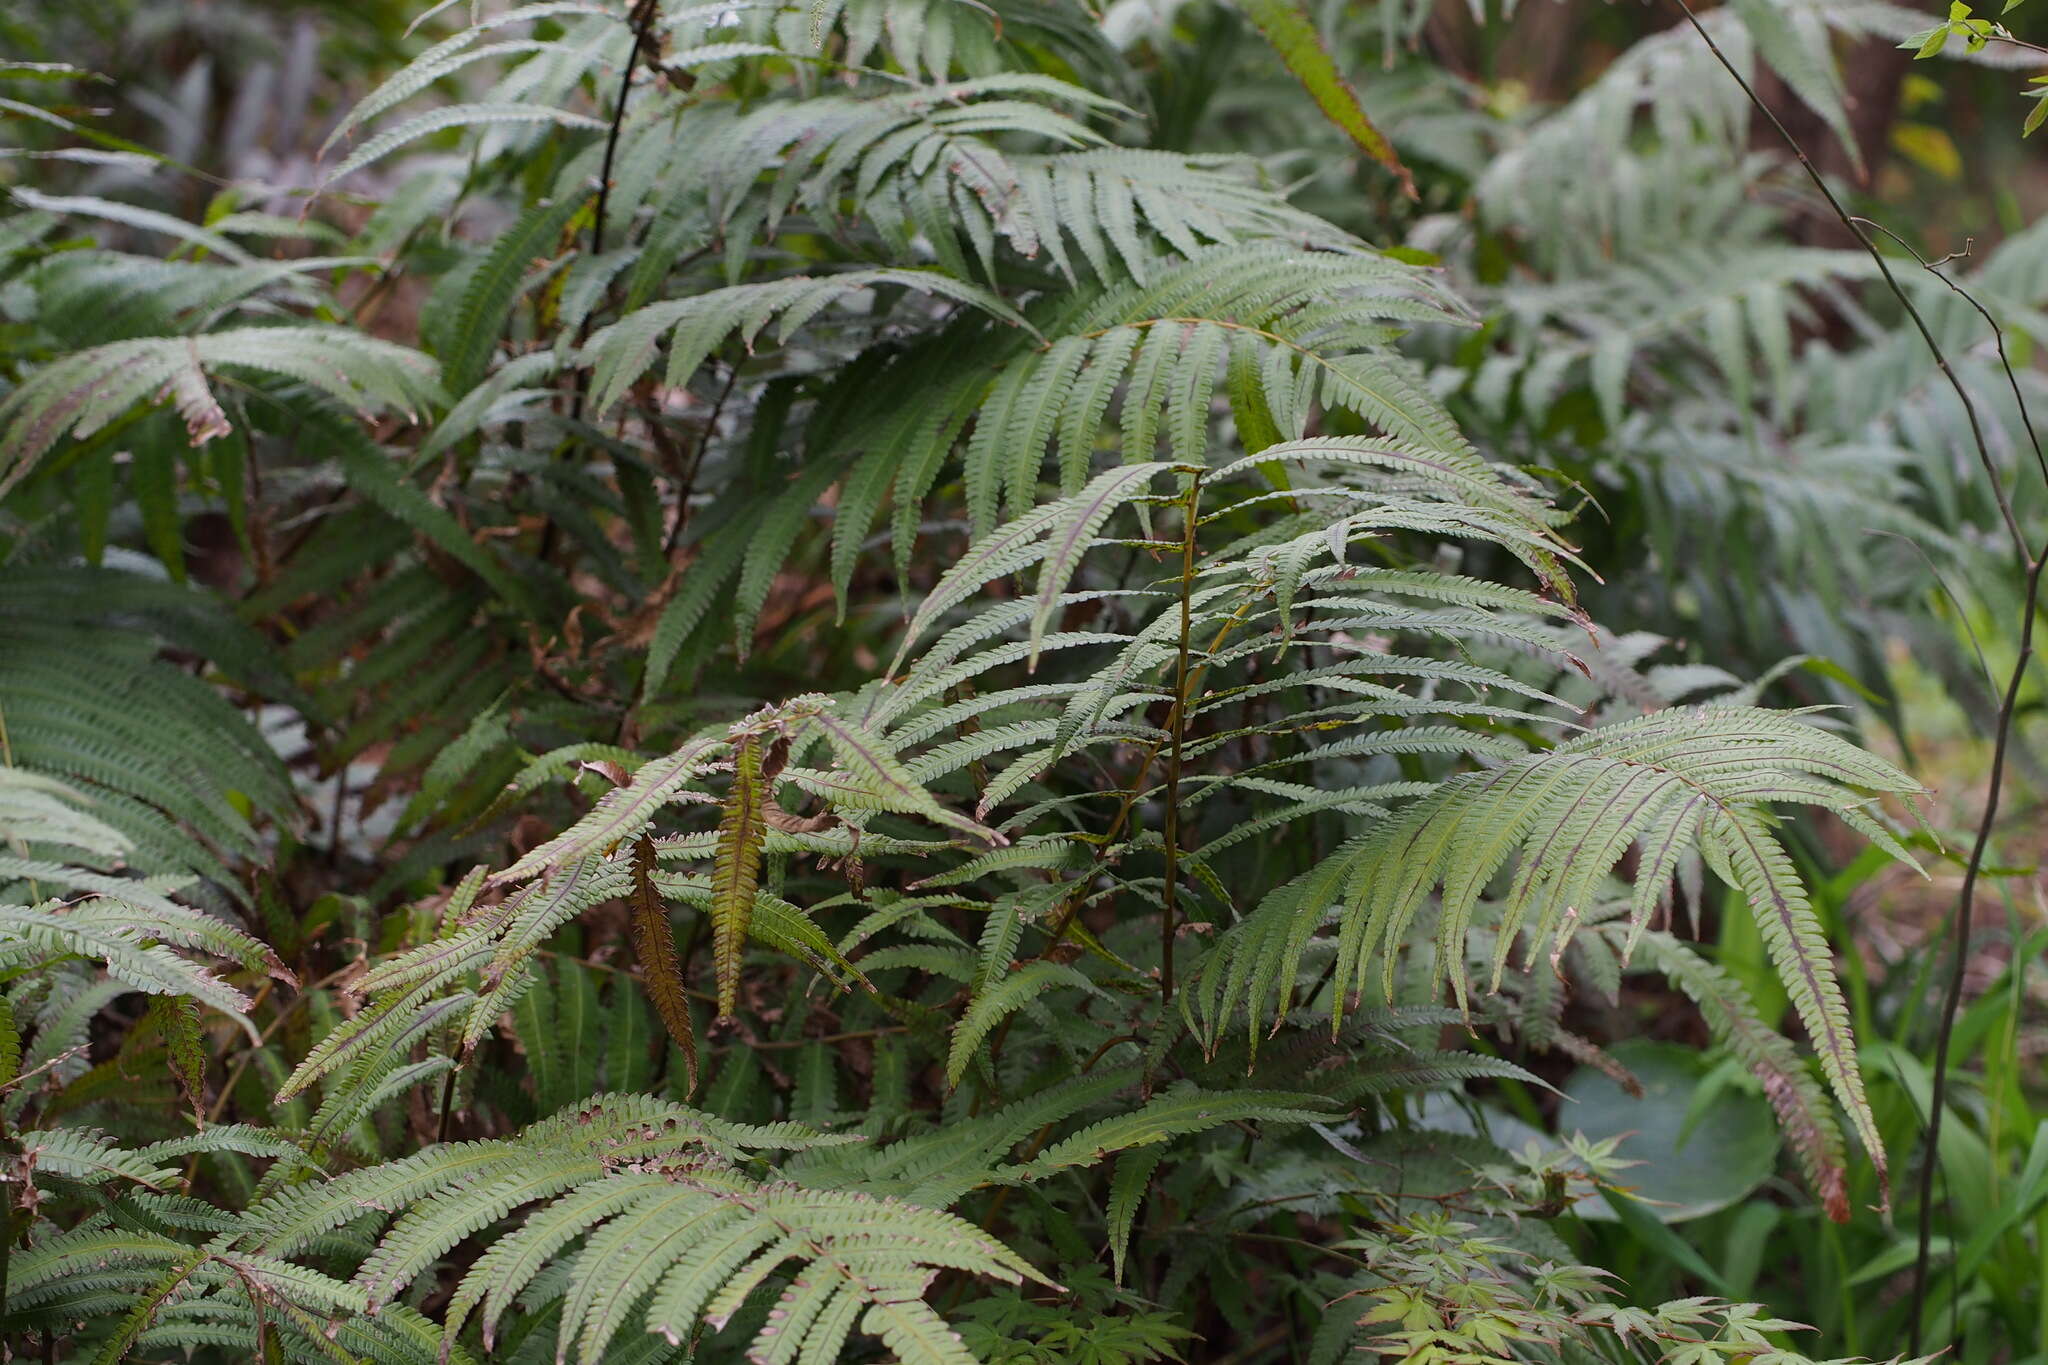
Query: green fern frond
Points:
[646, 1186]
[621, 815]
[1801, 1105]
[736, 869]
[623, 351]
[481, 115]
[1293, 36]
[1172, 1114]
[117, 936]
[84, 392]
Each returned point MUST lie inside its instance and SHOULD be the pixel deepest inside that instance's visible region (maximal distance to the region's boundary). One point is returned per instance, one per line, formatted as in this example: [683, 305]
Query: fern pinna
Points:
[904, 713]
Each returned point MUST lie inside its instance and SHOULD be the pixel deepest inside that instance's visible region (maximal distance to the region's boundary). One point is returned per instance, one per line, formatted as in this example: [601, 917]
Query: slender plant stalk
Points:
[642, 19]
[2031, 563]
[1136, 789]
[446, 1124]
[1187, 680]
[687, 480]
[1177, 726]
[643, 23]
[1952, 998]
[6, 1219]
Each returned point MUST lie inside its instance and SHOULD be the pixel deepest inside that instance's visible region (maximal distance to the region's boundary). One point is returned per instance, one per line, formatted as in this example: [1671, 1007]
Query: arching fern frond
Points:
[170, 1294]
[1679, 783]
[161, 758]
[85, 391]
[624, 350]
[642, 1202]
[1803, 1111]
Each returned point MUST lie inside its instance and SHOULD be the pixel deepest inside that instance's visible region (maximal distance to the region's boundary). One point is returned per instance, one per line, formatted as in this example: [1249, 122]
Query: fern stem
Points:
[642, 19]
[2032, 563]
[6, 1218]
[1952, 997]
[1176, 724]
[2012, 381]
[1136, 790]
[686, 482]
[643, 23]
[442, 1128]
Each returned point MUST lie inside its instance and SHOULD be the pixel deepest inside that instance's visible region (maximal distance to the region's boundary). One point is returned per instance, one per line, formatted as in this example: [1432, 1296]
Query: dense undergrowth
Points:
[924, 680]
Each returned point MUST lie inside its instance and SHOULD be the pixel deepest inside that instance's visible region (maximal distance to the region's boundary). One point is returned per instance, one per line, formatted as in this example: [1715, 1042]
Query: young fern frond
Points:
[654, 948]
[482, 962]
[736, 869]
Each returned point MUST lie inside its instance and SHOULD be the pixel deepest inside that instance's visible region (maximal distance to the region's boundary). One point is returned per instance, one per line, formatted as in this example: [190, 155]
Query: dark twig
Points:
[642, 19]
[643, 24]
[1169, 910]
[1952, 999]
[686, 483]
[447, 1122]
[2031, 562]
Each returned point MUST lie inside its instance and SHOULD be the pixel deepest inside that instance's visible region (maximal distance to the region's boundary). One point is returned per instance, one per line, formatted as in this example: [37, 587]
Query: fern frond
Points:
[623, 351]
[736, 868]
[1174, 1113]
[654, 947]
[116, 936]
[1291, 32]
[91, 1157]
[622, 814]
[1742, 850]
[453, 53]
[875, 779]
[998, 999]
[481, 115]
[83, 392]
[1802, 1108]
[660, 1214]
[1673, 779]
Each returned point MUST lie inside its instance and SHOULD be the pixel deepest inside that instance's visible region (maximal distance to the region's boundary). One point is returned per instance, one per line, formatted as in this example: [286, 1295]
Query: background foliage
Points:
[924, 680]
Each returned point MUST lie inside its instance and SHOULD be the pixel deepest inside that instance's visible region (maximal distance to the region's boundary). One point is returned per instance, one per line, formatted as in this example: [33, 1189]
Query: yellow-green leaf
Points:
[1293, 36]
[736, 869]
